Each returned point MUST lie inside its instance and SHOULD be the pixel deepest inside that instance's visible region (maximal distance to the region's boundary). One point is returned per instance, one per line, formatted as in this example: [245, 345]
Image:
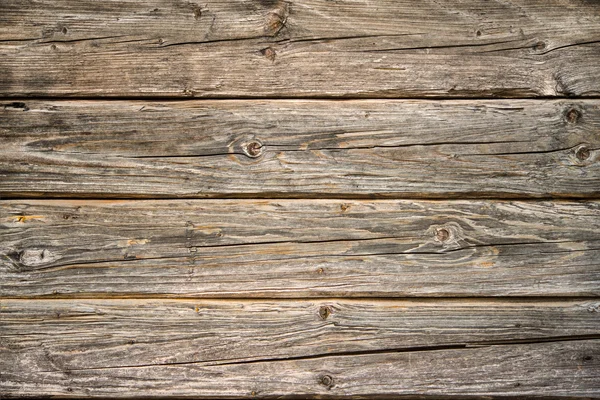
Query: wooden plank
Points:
[294, 248]
[75, 347]
[93, 334]
[356, 48]
[435, 149]
[207, 349]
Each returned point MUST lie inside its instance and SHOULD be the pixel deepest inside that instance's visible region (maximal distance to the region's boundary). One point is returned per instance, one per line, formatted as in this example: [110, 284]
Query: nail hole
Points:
[64, 30]
[478, 32]
[587, 358]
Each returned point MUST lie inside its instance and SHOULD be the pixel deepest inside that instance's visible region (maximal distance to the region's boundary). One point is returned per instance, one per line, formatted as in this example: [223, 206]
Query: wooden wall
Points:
[301, 198]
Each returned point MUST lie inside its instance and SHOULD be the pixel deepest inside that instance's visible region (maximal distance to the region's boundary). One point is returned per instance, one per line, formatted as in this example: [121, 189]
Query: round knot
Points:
[442, 234]
[539, 46]
[324, 312]
[583, 153]
[253, 149]
[572, 115]
[326, 380]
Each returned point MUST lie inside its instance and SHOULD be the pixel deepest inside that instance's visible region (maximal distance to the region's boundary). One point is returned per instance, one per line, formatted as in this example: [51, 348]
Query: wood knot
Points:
[449, 235]
[583, 153]
[277, 19]
[442, 234]
[538, 46]
[324, 312]
[572, 115]
[269, 53]
[197, 12]
[253, 149]
[35, 257]
[326, 380]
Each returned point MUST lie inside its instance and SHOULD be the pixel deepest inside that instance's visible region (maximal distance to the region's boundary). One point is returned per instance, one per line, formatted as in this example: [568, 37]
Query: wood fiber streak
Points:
[299, 248]
[293, 148]
[300, 48]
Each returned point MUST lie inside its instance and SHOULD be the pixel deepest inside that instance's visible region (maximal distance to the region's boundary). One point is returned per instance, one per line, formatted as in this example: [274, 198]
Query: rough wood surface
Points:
[75, 347]
[92, 334]
[293, 248]
[441, 149]
[384, 48]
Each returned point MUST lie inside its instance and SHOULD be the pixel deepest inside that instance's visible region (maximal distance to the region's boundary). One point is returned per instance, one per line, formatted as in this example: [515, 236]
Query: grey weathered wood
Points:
[383, 48]
[442, 149]
[222, 349]
[293, 248]
[65, 335]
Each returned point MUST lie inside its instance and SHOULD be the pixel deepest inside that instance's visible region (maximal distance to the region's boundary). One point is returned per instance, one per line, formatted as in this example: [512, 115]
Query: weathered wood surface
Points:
[294, 248]
[162, 347]
[360, 48]
[92, 334]
[441, 149]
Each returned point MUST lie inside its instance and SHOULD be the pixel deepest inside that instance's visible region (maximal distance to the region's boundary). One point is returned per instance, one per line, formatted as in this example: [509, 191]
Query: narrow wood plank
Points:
[387, 48]
[208, 349]
[295, 248]
[435, 149]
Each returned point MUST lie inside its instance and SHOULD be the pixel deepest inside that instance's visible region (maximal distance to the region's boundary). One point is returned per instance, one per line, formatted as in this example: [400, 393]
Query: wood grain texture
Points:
[359, 48]
[294, 248]
[233, 348]
[93, 334]
[434, 149]
[555, 370]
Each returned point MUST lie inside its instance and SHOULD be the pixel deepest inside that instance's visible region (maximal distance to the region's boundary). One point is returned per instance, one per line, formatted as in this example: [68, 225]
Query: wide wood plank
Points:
[213, 349]
[293, 248]
[435, 149]
[76, 347]
[359, 48]
[79, 334]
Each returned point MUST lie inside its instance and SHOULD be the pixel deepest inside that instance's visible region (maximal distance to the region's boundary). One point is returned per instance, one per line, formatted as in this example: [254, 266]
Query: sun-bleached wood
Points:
[296, 248]
[209, 349]
[275, 48]
[94, 334]
[434, 149]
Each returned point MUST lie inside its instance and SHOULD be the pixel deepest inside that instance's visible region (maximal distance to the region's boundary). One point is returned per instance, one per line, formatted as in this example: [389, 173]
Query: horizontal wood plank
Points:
[433, 149]
[92, 334]
[126, 348]
[358, 48]
[294, 248]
